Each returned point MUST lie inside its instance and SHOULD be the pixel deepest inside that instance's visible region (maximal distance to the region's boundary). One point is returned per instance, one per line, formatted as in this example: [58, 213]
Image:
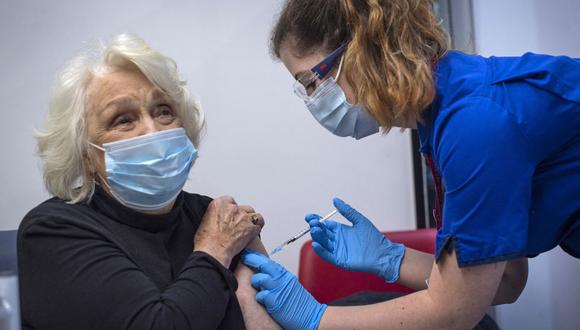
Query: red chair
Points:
[328, 283]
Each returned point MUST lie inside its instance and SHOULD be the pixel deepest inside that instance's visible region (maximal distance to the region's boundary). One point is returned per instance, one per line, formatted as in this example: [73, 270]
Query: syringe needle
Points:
[297, 236]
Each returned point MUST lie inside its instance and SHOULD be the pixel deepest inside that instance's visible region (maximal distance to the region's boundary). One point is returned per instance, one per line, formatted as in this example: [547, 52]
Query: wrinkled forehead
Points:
[126, 86]
[108, 84]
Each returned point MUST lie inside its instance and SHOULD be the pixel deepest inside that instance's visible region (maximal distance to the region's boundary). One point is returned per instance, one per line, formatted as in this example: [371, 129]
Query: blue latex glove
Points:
[360, 247]
[284, 297]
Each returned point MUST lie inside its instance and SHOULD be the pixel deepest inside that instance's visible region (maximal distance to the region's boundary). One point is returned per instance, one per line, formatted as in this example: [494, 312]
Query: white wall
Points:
[262, 145]
[551, 299]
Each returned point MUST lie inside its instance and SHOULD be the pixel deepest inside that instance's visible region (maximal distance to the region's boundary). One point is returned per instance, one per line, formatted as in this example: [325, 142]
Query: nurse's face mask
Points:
[327, 101]
[147, 172]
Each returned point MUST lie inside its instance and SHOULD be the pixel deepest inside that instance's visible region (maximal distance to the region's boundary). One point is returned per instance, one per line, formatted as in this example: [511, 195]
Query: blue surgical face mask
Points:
[329, 106]
[147, 172]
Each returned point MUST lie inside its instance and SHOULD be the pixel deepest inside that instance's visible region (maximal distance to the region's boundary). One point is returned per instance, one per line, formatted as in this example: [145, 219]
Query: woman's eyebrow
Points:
[120, 102]
[113, 107]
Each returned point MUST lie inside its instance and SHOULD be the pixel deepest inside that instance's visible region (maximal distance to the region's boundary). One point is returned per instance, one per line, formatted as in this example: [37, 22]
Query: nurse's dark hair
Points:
[392, 45]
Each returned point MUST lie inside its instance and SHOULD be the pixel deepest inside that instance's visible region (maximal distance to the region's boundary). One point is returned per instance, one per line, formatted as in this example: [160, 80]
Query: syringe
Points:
[296, 237]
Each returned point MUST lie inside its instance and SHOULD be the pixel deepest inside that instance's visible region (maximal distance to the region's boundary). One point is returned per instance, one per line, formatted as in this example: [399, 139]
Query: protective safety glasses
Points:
[305, 85]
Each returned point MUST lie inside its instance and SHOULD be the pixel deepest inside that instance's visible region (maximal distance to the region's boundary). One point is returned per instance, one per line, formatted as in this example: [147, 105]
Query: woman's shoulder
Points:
[196, 198]
[55, 212]
[459, 75]
[197, 202]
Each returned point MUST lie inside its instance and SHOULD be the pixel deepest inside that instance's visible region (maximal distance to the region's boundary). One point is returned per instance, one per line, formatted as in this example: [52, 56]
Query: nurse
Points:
[502, 135]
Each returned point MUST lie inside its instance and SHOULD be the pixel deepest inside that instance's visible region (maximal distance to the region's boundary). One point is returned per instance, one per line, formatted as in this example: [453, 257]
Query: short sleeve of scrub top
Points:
[504, 134]
[488, 177]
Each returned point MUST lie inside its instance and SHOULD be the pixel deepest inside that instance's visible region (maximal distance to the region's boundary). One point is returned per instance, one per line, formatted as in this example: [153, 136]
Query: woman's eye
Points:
[164, 111]
[122, 120]
[310, 88]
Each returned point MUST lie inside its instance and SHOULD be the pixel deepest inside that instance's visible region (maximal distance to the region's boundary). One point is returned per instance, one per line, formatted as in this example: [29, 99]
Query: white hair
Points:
[63, 143]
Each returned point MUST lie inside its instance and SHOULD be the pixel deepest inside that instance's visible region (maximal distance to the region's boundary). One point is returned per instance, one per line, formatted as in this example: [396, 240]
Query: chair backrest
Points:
[8, 261]
[327, 282]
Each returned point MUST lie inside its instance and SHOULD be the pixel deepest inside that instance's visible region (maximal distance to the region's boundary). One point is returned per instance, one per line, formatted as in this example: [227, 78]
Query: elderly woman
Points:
[121, 246]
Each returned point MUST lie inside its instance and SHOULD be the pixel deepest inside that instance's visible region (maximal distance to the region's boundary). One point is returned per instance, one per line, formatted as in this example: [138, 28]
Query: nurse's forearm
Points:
[414, 311]
[415, 269]
[457, 298]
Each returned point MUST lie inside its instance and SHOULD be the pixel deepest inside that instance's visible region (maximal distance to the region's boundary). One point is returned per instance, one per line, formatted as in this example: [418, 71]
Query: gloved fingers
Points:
[261, 263]
[248, 250]
[331, 226]
[311, 216]
[323, 253]
[265, 297]
[328, 226]
[263, 281]
[348, 211]
[253, 259]
[320, 236]
[314, 223]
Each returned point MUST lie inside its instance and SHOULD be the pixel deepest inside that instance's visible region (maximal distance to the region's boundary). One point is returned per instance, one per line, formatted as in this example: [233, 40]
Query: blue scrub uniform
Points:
[504, 132]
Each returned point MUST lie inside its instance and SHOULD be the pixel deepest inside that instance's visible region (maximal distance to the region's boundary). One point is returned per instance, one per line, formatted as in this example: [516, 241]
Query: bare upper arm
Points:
[517, 268]
[464, 294]
[255, 316]
[513, 281]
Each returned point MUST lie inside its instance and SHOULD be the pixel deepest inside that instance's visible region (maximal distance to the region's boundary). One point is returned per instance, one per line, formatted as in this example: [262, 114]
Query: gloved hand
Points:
[284, 297]
[360, 247]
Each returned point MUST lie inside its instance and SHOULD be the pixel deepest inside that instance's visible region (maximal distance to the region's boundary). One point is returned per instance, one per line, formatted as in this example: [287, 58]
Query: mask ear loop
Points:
[101, 180]
[339, 68]
[96, 146]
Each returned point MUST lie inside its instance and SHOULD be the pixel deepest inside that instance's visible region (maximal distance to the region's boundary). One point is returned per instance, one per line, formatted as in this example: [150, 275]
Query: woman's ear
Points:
[88, 163]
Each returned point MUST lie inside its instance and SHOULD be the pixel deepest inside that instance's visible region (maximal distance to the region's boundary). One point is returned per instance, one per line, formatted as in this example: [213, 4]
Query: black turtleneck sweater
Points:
[100, 265]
